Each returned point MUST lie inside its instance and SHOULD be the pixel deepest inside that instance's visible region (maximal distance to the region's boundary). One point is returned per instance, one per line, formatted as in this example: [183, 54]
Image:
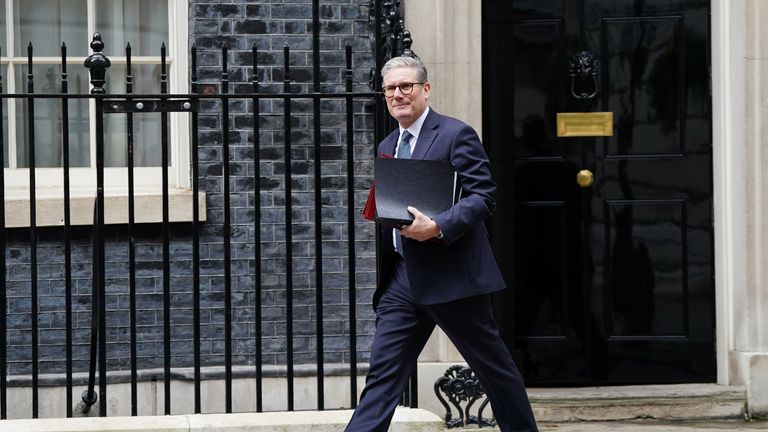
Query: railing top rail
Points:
[248, 95]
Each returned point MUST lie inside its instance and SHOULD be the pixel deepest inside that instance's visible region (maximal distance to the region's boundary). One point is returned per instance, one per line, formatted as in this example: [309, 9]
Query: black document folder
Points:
[429, 185]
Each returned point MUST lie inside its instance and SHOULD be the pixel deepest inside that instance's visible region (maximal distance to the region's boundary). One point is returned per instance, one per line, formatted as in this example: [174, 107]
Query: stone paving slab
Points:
[405, 420]
[734, 426]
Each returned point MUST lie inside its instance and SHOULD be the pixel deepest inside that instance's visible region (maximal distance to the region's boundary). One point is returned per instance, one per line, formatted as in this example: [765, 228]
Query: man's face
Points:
[406, 108]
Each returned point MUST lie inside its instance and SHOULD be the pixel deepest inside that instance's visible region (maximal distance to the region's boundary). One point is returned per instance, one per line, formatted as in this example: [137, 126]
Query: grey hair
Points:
[406, 62]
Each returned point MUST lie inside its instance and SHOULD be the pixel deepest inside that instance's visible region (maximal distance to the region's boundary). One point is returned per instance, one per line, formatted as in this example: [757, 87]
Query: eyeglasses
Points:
[405, 88]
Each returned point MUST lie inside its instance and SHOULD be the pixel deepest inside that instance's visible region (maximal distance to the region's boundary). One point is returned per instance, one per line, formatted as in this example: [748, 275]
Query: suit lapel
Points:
[427, 135]
[387, 146]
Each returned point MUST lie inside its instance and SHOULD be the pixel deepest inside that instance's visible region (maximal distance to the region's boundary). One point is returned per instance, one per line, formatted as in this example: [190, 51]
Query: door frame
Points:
[727, 47]
[728, 68]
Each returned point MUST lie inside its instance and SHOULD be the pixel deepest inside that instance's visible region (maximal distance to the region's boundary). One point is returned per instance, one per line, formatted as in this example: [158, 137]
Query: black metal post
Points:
[3, 285]
[67, 228]
[227, 232]
[166, 237]
[102, 283]
[33, 231]
[98, 64]
[257, 229]
[131, 235]
[195, 238]
[288, 231]
[351, 230]
[318, 206]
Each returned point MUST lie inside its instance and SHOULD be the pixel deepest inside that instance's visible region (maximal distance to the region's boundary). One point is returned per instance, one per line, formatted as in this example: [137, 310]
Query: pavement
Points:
[643, 426]
[405, 420]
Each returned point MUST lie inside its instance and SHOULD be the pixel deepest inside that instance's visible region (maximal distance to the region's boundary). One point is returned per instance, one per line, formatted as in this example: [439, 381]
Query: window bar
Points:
[226, 233]
[288, 232]
[195, 238]
[32, 230]
[166, 239]
[318, 206]
[257, 228]
[351, 233]
[67, 228]
[131, 235]
[3, 286]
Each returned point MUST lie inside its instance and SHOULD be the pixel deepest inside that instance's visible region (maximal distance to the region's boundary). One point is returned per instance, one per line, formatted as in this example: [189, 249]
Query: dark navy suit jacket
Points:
[462, 264]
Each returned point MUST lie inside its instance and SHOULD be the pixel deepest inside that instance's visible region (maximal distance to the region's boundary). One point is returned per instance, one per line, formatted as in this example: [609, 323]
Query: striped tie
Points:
[403, 152]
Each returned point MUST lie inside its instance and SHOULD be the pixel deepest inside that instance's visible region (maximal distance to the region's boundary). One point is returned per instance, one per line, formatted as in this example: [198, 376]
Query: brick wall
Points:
[269, 25]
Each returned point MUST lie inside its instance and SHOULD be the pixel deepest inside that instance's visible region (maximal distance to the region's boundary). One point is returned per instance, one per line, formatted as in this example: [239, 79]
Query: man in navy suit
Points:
[437, 271]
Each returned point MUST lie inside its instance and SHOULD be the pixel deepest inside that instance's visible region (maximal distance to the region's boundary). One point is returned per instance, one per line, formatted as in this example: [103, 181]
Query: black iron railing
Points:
[97, 335]
[128, 104]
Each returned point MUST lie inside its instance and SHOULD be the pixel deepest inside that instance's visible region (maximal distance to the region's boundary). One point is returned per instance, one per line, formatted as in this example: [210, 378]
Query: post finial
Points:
[97, 63]
[407, 42]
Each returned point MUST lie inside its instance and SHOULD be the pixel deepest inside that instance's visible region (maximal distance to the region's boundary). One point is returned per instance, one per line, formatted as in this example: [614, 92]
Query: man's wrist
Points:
[439, 234]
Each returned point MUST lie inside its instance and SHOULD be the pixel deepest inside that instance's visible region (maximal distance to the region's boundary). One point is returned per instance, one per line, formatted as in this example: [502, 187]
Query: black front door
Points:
[610, 283]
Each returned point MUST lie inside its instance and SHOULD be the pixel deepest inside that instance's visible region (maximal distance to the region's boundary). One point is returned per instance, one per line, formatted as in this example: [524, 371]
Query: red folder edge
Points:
[369, 209]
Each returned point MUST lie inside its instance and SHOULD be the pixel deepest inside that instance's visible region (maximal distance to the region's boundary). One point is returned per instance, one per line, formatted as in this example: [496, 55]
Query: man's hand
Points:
[422, 228]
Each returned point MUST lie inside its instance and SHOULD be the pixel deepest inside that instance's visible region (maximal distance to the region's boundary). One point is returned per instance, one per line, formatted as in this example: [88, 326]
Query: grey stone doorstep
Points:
[650, 426]
[679, 402]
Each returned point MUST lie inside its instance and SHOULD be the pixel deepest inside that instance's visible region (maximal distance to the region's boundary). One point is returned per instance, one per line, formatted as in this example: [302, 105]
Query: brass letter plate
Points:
[588, 124]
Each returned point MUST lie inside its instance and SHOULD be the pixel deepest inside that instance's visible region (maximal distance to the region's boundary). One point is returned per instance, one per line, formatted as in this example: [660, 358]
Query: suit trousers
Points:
[402, 330]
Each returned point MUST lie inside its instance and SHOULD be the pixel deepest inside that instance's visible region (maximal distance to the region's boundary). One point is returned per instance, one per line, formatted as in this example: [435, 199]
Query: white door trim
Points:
[728, 141]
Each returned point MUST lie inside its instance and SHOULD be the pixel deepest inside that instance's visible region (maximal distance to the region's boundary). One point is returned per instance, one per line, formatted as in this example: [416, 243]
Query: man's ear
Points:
[427, 88]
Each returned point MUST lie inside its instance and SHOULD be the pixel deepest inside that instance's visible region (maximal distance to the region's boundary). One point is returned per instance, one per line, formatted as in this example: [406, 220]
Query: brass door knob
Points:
[585, 178]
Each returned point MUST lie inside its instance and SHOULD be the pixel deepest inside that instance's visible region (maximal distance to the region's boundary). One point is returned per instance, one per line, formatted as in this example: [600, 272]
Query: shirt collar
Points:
[415, 128]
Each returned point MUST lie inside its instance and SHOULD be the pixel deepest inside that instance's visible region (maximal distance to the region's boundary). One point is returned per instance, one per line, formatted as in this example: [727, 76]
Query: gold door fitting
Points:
[586, 124]
[585, 178]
